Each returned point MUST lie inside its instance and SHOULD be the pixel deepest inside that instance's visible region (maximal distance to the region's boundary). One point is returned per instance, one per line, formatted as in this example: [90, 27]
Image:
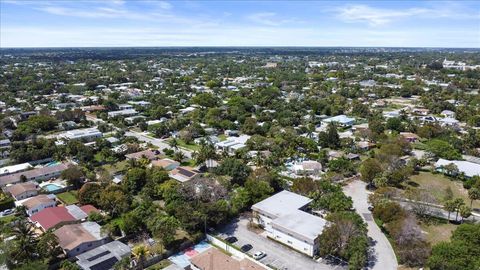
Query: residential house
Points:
[410, 137]
[23, 191]
[307, 167]
[36, 204]
[128, 112]
[232, 144]
[76, 239]
[341, 120]
[148, 154]
[469, 169]
[284, 219]
[59, 215]
[183, 174]
[166, 164]
[103, 257]
[38, 175]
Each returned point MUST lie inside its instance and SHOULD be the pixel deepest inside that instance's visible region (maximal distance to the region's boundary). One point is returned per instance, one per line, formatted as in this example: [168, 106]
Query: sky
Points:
[123, 23]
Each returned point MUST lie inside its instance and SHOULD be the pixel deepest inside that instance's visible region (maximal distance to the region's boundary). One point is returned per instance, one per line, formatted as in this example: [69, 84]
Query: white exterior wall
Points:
[286, 239]
[293, 242]
[26, 194]
[40, 207]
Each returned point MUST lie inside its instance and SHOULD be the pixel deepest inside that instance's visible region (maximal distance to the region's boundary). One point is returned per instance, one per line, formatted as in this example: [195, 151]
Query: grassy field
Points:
[69, 197]
[436, 184]
[117, 167]
[183, 144]
[438, 231]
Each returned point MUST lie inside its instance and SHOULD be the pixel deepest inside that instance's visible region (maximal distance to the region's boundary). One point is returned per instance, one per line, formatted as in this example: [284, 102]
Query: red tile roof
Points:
[50, 217]
[88, 209]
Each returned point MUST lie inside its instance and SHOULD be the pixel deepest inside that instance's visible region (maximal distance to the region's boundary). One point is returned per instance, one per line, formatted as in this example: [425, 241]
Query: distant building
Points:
[284, 219]
[307, 167]
[15, 168]
[84, 134]
[148, 154]
[341, 120]
[232, 144]
[128, 112]
[103, 257]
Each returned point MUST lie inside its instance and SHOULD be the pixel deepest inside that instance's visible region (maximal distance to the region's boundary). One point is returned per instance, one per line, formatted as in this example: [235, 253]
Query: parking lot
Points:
[278, 256]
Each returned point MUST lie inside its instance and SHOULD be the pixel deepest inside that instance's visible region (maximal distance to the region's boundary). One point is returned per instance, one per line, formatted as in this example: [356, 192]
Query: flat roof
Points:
[282, 203]
[304, 225]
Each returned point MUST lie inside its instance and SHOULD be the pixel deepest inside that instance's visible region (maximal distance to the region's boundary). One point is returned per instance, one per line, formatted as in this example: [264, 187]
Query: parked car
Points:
[231, 239]
[246, 247]
[259, 255]
[7, 212]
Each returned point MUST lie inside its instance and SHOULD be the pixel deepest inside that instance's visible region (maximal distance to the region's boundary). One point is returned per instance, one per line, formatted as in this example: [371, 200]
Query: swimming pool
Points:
[52, 187]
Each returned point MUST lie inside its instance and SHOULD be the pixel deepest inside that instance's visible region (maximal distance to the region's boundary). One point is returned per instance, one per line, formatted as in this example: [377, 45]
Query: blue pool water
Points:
[52, 187]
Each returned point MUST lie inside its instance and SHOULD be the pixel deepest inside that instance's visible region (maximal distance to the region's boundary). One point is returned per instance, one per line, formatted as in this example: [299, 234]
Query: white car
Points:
[259, 255]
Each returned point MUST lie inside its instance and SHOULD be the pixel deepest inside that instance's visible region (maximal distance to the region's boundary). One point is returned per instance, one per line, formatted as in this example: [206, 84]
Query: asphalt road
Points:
[278, 256]
[383, 256]
[161, 144]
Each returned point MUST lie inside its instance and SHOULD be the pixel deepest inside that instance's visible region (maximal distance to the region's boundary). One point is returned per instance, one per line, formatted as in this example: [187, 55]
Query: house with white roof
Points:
[83, 134]
[341, 120]
[469, 169]
[284, 220]
[232, 144]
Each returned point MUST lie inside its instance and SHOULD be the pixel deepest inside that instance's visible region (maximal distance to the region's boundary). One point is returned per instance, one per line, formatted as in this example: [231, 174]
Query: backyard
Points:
[69, 197]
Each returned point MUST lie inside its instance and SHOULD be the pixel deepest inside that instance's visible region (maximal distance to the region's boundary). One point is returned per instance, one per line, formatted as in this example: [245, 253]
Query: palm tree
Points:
[25, 246]
[173, 143]
[465, 212]
[140, 253]
[179, 156]
[458, 204]
[473, 194]
[450, 206]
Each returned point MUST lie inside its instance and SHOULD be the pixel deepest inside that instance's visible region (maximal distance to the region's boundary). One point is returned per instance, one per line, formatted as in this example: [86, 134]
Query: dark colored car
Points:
[231, 239]
[246, 247]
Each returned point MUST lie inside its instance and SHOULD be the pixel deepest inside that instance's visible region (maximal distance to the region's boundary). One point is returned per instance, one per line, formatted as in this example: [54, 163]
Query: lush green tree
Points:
[370, 169]
[164, 227]
[114, 200]
[443, 149]
[74, 176]
[234, 168]
[134, 180]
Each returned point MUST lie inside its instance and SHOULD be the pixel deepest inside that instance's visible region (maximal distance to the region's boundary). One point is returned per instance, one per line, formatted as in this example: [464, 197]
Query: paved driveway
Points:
[278, 256]
[383, 257]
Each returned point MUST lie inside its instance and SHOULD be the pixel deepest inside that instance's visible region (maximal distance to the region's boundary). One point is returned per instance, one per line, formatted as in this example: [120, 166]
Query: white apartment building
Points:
[284, 219]
[128, 112]
[84, 134]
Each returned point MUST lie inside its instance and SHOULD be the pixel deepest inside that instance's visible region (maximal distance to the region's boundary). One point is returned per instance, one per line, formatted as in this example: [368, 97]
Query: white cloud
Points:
[382, 16]
[270, 19]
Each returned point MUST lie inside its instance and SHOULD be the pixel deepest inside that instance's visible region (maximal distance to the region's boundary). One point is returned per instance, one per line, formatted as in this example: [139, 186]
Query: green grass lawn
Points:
[436, 185]
[69, 197]
[183, 144]
[117, 167]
